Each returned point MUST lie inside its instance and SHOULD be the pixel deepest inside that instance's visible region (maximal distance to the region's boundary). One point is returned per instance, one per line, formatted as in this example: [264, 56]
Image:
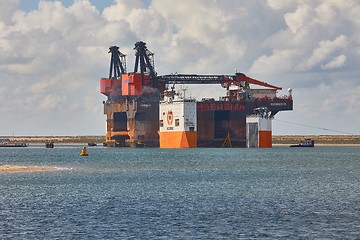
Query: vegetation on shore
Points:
[319, 139]
[58, 139]
[284, 139]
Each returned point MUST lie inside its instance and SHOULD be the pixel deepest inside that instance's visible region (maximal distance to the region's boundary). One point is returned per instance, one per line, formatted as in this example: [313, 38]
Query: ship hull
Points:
[217, 119]
[178, 139]
[138, 120]
[130, 121]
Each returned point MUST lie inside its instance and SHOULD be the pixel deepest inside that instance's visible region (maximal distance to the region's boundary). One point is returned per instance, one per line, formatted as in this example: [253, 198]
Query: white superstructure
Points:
[177, 126]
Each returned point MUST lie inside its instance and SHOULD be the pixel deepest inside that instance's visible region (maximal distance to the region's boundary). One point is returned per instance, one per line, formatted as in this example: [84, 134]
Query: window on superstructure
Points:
[161, 123]
[177, 122]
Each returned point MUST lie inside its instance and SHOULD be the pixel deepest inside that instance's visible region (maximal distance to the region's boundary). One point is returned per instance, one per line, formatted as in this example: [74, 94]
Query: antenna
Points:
[173, 86]
[184, 89]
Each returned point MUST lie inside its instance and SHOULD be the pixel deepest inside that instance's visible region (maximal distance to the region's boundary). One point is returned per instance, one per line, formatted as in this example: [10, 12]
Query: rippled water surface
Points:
[278, 193]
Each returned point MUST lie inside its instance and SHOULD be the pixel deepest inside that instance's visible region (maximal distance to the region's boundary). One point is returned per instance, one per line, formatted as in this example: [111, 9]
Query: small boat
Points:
[305, 143]
[49, 144]
[140, 144]
[84, 152]
[92, 144]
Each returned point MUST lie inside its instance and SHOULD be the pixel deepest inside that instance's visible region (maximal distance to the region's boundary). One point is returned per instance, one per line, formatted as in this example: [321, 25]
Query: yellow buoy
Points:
[84, 152]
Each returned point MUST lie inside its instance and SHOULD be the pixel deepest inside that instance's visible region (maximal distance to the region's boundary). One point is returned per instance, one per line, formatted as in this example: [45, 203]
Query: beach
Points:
[17, 168]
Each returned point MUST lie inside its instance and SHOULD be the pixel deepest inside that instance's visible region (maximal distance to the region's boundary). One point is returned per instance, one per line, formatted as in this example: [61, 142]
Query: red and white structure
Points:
[258, 131]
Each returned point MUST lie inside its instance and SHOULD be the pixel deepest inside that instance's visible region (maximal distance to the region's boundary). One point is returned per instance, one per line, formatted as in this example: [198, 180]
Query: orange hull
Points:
[265, 139]
[178, 139]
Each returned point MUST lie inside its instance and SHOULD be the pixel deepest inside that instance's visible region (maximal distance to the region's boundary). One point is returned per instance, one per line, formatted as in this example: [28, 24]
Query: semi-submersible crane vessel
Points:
[132, 110]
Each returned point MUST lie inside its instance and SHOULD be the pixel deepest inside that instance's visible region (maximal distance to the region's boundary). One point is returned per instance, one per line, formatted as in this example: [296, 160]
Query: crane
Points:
[144, 59]
[117, 62]
[145, 81]
[239, 79]
[111, 87]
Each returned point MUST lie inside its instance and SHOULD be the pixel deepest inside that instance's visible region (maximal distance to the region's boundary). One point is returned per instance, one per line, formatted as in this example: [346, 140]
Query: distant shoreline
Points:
[322, 145]
[41, 140]
[320, 140]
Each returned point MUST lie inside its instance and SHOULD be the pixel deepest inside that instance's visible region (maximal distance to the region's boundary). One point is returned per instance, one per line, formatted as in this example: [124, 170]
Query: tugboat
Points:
[84, 152]
[305, 143]
[49, 144]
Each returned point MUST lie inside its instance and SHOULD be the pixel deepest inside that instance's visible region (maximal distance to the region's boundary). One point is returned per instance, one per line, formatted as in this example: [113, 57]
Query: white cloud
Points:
[41, 86]
[7, 9]
[53, 57]
[3, 90]
[50, 102]
[280, 61]
[325, 49]
[280, 4]
[337, 62]
[122, 9]
[302, 17]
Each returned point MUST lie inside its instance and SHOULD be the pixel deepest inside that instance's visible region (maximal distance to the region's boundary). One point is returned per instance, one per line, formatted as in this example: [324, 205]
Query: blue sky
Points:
[28, 5]
[53, 54]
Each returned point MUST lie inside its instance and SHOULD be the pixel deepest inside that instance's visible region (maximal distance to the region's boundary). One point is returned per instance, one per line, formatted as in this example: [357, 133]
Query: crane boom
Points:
[190, 79]
[238, 79]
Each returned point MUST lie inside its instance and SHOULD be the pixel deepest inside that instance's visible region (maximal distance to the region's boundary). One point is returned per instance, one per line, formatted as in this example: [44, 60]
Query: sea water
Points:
[123, 193]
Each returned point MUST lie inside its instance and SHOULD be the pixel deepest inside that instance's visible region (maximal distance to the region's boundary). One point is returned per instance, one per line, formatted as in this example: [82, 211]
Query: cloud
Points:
[50, 102]
[121, 10]
[41, 86]
[337, 62]
[279, 61]
[3, 91]
[7, 9]
[302, 17]
[280, 4]
[53, 57]
[325, 49]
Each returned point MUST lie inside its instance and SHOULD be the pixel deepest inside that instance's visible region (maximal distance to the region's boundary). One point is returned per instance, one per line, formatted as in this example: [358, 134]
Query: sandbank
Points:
[17, 168]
